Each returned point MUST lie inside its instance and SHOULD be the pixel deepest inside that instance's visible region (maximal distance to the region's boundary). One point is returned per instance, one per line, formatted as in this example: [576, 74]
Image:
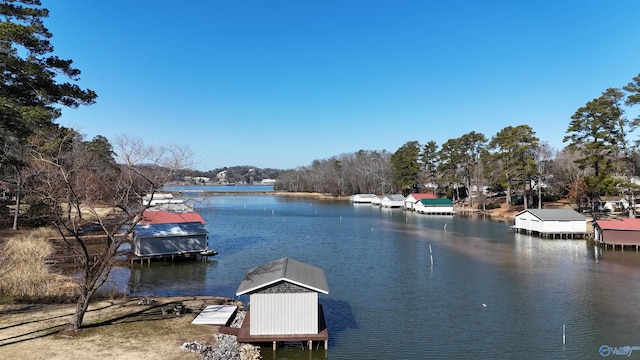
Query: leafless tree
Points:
[544, 154]
[79, 189]
[565, 171]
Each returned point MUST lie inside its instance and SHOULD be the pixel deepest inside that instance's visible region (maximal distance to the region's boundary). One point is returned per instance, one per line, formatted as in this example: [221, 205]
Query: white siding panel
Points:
[535, 225]
[579, 226]
[284, 314]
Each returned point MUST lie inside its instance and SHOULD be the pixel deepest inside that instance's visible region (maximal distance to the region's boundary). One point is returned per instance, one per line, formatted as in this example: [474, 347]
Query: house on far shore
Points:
[439, 206]
[625, 232]
[283, 300]
[551, 223]
[411, 200]
[612, 203]
[392, 201]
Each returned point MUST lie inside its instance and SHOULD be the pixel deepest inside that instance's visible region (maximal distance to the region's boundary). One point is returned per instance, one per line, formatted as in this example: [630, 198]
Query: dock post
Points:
[326, 344]
[275, 345]
[310, 345]
[430, 255]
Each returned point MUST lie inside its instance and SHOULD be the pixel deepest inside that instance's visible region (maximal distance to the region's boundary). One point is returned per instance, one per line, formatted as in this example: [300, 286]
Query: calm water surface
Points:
[387, 301]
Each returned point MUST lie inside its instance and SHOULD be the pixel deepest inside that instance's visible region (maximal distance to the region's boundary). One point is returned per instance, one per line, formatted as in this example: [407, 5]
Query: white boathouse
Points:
[283, 301]
[551, 223]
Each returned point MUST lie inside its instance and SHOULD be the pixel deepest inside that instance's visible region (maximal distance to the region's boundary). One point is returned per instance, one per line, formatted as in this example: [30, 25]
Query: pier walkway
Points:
[244, 336]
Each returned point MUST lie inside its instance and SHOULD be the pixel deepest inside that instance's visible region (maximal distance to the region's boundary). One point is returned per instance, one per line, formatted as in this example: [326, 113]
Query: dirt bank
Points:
[114, 329]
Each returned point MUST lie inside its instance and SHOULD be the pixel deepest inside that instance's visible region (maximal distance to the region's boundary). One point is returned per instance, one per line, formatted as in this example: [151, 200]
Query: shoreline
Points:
[499, 214]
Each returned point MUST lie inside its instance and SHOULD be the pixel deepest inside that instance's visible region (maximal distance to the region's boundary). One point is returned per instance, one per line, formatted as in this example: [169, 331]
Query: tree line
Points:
[600, 159]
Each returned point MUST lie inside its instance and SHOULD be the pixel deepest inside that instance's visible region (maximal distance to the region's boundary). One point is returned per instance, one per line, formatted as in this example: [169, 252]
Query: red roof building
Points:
[411, 200]
[420, 196]
[166, 217]
[617, 232]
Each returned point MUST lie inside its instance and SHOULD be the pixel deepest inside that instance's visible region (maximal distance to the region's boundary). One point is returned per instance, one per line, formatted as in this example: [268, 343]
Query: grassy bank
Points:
[114, 329]
[23, 271]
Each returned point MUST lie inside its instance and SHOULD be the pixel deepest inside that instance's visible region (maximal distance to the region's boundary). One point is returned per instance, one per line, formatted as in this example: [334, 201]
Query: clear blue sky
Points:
[282, 83]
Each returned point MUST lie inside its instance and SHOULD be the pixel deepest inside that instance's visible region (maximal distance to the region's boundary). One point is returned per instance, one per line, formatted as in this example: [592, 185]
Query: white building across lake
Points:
[392, 201]
[440, 206]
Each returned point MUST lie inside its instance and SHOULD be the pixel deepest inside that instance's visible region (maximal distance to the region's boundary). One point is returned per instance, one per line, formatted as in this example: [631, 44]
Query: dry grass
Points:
[23, 272]
[114, 329]
[92, 212]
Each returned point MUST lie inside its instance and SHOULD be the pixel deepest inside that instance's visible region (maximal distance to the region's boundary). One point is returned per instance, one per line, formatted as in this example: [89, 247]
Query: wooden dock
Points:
[307, 340]
[552, 235]
[132, 258]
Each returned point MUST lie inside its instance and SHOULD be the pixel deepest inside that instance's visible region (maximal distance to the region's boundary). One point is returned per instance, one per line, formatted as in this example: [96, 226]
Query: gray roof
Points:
[169, 230]
[395, 197]
[285, 269]
[555, 214]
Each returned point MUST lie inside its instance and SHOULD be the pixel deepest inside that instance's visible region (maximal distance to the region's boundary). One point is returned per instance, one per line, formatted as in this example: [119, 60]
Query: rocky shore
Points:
[226, 346]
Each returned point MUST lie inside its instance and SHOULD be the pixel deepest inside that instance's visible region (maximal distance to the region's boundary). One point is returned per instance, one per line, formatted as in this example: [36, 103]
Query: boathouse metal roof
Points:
[167, 217]
[436, 202]
[394, 197]
[419, 196]
[284, 269]
[622, 224]
[169, 230]
[555, 214]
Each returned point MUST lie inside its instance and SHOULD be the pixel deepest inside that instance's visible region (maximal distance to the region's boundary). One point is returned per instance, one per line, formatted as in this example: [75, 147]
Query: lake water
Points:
[387, 301]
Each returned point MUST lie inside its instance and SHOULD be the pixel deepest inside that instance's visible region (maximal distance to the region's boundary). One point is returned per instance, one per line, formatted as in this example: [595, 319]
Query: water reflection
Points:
[170, 278]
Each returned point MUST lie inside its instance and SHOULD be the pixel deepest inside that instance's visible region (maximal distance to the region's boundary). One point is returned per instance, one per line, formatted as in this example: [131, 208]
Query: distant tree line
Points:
[601, 158]
[244, 174]
[346, 174]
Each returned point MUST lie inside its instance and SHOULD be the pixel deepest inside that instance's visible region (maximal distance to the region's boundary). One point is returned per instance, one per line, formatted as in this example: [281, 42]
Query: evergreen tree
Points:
[514, 154]
[406, 167]
[31, 93]
[594, 131]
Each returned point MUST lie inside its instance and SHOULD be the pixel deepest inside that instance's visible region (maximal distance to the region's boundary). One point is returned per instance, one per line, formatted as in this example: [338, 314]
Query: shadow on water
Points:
[339, 317]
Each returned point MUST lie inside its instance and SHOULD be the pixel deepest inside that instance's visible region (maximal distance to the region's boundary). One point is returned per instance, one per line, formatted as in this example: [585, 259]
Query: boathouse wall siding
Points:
[617, 237]
[170, 245]
[531, 223]
[284, 313]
